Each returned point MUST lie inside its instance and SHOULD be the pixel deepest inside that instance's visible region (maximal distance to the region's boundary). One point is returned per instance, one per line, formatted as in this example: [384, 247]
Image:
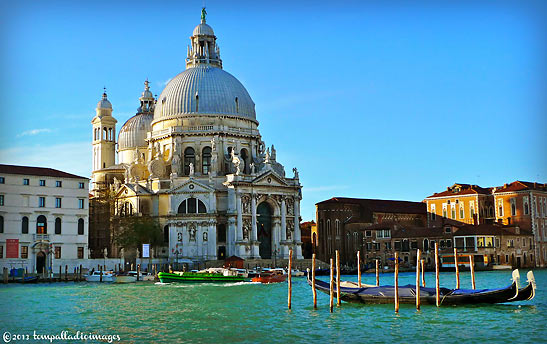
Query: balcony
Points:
[40, 237]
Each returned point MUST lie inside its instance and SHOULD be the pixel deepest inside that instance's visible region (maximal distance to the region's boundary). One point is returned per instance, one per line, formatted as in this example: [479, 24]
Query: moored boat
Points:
[226, 276]
[270, 276]
[407, 293]
[95, 276]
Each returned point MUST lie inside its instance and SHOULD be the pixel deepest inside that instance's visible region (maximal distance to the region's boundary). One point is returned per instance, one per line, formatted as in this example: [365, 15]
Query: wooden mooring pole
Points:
[5, 275]
[60, 273]
[457, 268]
[359, 268]
[437, 296]
[418, 279]
[138, 272]
[472, 269]
[396, 282]
[377, 274]
[101, 276]
[314, 292]
[422, 263]
[331, 294]
[290, 279]
[80, 273]
[337, 278]
[66, 273]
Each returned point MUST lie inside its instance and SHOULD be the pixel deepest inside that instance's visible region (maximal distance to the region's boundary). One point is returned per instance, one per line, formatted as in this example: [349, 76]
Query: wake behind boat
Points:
[407, 293]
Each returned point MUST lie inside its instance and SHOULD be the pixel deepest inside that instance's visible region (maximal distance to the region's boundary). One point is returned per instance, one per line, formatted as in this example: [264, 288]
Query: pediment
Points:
[192, 186]
[131, 190]
[269, 178]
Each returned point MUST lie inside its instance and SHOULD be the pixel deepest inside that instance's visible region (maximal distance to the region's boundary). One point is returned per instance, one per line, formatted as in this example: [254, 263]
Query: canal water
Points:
[256, 313]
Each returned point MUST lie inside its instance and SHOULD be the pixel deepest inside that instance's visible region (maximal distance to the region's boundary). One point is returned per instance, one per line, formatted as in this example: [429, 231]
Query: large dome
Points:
[133, 132]
[204, 90]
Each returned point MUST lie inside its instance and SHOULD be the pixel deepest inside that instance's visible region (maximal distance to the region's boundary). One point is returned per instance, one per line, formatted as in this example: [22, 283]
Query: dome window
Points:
[237, 105]
[197, 102]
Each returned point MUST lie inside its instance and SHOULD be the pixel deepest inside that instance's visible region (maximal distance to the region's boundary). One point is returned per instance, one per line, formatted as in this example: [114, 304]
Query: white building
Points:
[43, 218]
[194, 159]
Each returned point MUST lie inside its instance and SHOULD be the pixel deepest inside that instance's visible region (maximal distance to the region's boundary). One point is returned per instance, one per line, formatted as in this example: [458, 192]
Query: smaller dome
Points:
[133, 132]
[104, 103]
[203, 30]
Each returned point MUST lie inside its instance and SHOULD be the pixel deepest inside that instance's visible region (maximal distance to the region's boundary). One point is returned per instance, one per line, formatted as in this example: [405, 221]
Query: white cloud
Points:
[72, 157]
[34, 132]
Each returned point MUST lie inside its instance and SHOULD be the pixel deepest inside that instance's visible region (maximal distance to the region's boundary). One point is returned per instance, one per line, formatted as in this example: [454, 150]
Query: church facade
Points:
[194, 159]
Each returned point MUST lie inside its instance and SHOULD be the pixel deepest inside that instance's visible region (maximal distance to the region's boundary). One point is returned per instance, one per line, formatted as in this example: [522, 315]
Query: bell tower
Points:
[104, 133]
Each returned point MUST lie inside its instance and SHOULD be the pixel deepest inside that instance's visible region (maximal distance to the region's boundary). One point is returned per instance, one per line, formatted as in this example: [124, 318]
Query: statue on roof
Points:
[203, 14]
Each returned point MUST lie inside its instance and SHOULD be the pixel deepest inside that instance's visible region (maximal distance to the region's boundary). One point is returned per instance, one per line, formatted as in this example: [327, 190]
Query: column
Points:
[212, 240]
[254, 235]
[297, 235]
[283, 247]
[230, 236]
[239, 234]
[276, 228]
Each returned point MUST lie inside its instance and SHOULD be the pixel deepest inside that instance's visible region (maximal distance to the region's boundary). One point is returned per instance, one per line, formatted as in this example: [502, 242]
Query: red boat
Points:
[272, 276]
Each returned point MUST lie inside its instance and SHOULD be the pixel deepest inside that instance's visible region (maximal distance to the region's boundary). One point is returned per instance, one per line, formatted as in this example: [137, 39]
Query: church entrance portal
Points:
[40, 262]
[264, 230]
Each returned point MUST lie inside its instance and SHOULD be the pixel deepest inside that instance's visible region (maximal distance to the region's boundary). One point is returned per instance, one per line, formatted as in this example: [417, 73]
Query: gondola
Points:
[349, 292]
[528, 292]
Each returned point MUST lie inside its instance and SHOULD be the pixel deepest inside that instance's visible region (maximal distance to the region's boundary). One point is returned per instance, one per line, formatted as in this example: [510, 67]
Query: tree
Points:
[133, 231]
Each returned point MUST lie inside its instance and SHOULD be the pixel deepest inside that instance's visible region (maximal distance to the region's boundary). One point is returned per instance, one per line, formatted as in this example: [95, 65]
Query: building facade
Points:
[43, 218]
[519, 203]
[340, 222]
[194, 160]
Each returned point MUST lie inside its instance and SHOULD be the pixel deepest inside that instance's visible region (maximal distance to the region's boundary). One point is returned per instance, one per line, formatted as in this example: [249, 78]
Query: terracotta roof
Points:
[460, 189]
[381, 205]
[490, 229]
[37, 171]
[520, 185]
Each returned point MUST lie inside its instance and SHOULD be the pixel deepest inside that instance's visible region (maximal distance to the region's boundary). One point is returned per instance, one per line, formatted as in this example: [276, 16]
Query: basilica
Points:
[194, 160]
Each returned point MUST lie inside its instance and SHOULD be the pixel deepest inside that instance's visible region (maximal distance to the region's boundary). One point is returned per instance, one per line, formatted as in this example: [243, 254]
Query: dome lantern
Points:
[203, 49]
[147, 100]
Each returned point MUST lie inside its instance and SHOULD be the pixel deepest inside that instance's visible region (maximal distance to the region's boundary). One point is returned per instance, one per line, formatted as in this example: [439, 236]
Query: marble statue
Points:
[295, 173]
[237, 163]
[253, 171]
[105, 253]
[191, 167]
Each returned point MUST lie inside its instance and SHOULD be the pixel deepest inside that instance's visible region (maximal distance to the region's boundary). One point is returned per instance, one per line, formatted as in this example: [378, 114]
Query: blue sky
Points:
[367, 99]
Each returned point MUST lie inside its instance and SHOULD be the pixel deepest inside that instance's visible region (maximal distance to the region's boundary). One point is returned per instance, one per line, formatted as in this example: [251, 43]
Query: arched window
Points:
[166, 234]
[337, 227]
[206, 160]
[105, 133]
[329, 233]
[244, 159]
[426, 245]
[24, 225]
[197, 103]
[237, 105]
[57, 226]
[80, 226]
[192, 206]
[41, 225]
[189, 158]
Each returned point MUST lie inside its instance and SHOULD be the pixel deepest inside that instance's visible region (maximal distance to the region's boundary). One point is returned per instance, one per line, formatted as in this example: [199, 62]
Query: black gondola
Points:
[407, 293]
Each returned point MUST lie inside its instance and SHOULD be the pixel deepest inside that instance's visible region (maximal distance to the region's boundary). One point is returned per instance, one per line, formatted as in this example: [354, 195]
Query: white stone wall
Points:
[23, 200]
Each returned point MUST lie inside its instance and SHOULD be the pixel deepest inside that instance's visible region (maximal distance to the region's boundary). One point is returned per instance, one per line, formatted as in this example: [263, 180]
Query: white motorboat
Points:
[131, 276]
[95, 276]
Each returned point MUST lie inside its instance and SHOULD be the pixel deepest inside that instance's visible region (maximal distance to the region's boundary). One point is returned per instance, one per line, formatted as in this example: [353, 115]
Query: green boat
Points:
[198, 277]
